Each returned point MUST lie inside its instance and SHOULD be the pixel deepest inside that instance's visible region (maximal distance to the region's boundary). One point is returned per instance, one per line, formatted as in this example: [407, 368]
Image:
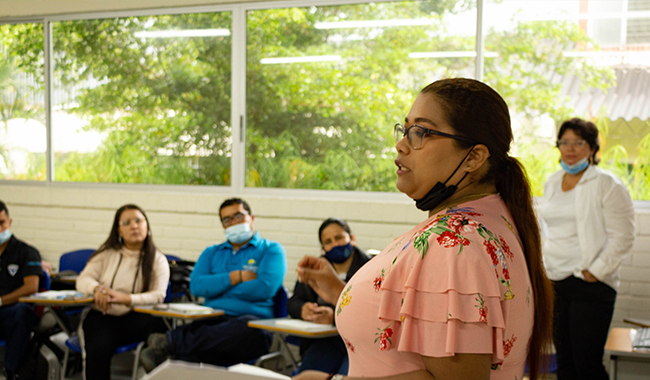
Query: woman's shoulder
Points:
[555, 177]
[604, 176]
[103, 254]
[160, 259]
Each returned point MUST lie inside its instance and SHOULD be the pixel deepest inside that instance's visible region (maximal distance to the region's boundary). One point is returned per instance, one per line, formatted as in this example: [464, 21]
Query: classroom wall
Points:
[57, 219]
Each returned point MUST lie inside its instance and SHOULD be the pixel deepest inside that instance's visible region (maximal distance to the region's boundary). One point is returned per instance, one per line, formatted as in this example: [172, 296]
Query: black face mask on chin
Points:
[440, 192]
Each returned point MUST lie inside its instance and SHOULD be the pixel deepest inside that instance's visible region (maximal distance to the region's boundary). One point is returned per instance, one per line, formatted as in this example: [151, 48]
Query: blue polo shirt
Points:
[211, 276]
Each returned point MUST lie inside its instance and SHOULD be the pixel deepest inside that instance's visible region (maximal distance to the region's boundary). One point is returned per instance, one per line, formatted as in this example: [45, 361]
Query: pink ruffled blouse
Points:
[456, 283]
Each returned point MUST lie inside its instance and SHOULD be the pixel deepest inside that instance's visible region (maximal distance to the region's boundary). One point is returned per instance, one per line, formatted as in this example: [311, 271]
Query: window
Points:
[23, 136]
[143, 99]
[150, 99]
[325, 85]
[549, 70]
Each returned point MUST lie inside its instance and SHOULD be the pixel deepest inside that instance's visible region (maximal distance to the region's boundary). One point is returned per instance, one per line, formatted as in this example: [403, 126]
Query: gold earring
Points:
[469, 167]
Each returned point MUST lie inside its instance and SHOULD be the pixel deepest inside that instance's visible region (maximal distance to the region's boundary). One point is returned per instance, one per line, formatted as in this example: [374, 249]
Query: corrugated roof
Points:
[628, 99]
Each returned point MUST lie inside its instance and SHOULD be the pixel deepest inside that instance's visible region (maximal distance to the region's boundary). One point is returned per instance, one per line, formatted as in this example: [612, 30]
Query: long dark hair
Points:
[476, 111]
[148, 253]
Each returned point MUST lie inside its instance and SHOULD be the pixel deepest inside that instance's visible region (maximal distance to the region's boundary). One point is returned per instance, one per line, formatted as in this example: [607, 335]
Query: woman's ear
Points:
[477, 158]
[352, 240]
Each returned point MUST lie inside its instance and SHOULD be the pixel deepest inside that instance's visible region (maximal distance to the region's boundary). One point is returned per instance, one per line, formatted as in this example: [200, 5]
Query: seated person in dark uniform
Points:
[20, 268]
[327, 354]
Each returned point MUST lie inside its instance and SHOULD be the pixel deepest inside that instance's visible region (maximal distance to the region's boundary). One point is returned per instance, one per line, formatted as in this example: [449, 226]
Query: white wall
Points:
[56, 219]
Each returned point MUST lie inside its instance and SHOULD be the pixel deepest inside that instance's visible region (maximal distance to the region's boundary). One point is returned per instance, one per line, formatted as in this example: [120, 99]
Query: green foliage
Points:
[163, 104]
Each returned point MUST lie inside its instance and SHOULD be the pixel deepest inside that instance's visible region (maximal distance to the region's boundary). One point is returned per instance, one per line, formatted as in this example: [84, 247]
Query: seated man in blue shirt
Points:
[20, 268]
[239, 276]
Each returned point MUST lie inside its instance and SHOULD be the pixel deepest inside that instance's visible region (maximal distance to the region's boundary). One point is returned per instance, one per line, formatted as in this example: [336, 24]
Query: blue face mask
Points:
[4, 236]
[339, 253]
[575, 168]
[239, 233]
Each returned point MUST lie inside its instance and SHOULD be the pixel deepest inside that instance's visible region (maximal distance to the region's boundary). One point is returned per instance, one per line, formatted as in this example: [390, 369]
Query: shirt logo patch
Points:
[13, 269]
[250, 266]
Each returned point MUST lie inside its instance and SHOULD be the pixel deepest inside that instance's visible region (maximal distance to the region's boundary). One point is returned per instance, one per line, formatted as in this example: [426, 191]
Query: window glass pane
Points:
[22, 113]
[549, 69]
[143, 99]
[325, 85]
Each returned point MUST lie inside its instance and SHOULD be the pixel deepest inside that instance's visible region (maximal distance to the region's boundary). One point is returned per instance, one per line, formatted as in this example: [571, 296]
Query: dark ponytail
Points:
[512, 185]
[479, 113]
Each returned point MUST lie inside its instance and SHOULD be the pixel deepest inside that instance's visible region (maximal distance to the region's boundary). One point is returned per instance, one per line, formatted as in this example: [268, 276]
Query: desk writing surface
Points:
[295, 327]
[60, 297]
[619, 342]
[173, 370]
[638, 322]
[149, 309]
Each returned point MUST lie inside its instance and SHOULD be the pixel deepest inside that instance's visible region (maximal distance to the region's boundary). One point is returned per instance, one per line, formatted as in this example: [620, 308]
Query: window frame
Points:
[238, 102]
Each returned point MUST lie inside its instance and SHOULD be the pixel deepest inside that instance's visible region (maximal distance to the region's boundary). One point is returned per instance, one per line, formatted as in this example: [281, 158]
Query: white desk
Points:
[626, 363]
[173, 370]
[62, 301]
[281, 327]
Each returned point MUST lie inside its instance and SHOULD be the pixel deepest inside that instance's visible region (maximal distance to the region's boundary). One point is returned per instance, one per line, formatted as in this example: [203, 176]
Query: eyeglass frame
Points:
[581, 143]
[426, 131]
[228, 220]
[127, 222]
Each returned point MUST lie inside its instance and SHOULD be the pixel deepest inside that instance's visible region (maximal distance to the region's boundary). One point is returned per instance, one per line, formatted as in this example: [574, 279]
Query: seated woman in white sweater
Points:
[127, 270]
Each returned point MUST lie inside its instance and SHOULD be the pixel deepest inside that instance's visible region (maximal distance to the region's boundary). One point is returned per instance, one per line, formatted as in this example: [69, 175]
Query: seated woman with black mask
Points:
[328, 354]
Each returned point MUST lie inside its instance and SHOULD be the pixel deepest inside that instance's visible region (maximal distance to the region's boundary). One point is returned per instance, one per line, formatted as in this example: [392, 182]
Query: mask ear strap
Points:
[455, 170]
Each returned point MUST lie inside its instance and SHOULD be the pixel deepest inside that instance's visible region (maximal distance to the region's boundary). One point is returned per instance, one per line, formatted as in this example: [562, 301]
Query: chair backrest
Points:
[178, 289]
[75, 260]
[280, 303]
[44, 282]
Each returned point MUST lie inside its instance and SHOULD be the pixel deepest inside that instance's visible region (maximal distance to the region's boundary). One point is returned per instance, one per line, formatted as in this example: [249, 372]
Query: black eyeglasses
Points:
[237, 218]
[415, 134]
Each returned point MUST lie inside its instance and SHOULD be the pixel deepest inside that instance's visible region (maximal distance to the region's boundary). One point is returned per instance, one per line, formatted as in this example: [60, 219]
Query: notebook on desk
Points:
[642, 338]
[190, 308]
[303, 325]
[58, 295]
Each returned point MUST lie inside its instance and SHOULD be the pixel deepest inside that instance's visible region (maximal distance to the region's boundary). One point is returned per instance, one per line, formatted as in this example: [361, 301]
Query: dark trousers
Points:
[223, 341]
[583, 313]
[103, 334]
[17, 321]
[327, 355]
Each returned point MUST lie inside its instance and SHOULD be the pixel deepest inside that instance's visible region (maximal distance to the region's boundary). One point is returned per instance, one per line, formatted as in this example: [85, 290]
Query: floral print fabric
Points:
[456, 283]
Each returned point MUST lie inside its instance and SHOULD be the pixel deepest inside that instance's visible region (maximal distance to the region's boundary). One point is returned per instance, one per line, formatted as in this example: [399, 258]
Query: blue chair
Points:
[280, 303]
[74, 345]
[75, 260]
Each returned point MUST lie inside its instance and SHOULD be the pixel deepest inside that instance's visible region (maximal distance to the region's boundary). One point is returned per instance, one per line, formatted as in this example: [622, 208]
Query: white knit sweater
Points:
[119, 271]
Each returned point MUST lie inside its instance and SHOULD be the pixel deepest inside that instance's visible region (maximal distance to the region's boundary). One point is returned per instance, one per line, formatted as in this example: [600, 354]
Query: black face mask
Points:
[440, 192]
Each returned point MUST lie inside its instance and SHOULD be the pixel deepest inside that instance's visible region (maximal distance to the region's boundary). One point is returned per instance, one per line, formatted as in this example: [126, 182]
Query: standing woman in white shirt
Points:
[588, 220]
[126, 271]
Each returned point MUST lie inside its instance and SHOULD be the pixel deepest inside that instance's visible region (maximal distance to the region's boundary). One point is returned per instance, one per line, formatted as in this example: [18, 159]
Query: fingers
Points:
[248, 275]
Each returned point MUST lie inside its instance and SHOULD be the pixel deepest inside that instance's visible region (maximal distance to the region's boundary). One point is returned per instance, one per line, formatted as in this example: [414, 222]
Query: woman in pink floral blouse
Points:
[463, 295]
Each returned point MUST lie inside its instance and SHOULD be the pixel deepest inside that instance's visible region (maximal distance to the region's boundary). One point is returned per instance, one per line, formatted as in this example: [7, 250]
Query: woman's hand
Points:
[102, 299]
[318, 314]
[311, 375]
[119, 297]
[319, 274]
[588, 276]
